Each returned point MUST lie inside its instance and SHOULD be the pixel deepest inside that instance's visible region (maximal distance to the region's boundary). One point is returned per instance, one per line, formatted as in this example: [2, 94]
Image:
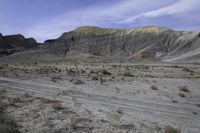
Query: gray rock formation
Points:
[151, 43]
[15, 43]
[144, 43]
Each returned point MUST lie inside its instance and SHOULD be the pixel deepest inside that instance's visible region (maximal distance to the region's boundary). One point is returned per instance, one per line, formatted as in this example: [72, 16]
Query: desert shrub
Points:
[170, 129]
[127, 73]
[27, 95]
[72, 71]
[95, 77]
[57, 105]
[187, 70]
[147, 54]
[45, 101]
[92, 72]
[13, 100]
[2, 91]
[198, 104]
[56, 70]
[82, 71]
[196, 63]
[119, 111]
[82, 123]
[105, 72]
[181, 95]
[102, 80]
[184, 89]
[79, 82]
[114, 116]
[114, 66]
[7, 124]
[55, 79]
[154, 87]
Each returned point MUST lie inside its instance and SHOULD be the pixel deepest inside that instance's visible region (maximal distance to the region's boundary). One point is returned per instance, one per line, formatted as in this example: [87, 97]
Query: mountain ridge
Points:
[135, 44]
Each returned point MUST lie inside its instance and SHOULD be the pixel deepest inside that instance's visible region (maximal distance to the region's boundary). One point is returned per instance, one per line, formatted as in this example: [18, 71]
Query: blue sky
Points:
[48, 19]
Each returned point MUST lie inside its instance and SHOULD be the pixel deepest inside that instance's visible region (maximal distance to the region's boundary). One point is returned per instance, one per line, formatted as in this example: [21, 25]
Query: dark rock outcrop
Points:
[15, 43]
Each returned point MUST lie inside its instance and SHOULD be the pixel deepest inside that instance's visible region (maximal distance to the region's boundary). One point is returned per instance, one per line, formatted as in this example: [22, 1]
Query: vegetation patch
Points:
[184, 89]
[127, 73]
[14, 100]
[114, 116]
[154, 87]
[105, 72]
[187, 70]
[27, 95]
[7, 123]
[81, 123]
[95, 77]
[181, 95]
[170, 129]
[79, 82]
[57, 105]
[3, 91]
[56, 70]
[73, 72]
[55, 79]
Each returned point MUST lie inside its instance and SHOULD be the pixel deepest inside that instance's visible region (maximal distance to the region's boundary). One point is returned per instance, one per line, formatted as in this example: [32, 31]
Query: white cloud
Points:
[180, 6]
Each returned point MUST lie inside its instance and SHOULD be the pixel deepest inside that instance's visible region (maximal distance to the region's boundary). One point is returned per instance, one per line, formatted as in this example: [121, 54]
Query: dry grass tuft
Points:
[170, 129]
[127, 73]
[181, 95]
[79, 82]
[154, 87]
[57, 105]
[105, 72]
[184, 89]
[95, 77]
[13, 100]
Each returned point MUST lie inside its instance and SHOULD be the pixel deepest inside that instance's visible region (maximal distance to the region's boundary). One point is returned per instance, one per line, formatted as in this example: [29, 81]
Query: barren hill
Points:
[143, 43]
[15, 43]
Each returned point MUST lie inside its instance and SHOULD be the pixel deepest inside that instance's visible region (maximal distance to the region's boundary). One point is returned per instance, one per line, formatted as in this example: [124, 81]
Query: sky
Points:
[48, 19]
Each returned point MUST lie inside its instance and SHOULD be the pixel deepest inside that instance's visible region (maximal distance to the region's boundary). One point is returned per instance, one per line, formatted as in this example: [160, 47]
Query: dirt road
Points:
[183, 114]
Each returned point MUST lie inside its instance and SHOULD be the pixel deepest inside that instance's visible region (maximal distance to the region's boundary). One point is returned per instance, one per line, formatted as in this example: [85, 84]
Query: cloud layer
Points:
[180, 6]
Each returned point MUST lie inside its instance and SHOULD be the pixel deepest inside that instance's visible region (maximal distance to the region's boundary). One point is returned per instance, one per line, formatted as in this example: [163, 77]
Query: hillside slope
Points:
[143, 43]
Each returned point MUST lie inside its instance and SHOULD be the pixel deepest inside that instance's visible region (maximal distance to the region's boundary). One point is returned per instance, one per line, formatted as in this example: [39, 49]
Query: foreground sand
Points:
[67, 97]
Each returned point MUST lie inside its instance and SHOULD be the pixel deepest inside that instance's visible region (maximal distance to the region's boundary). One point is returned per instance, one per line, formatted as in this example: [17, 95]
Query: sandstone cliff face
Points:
[14, 43]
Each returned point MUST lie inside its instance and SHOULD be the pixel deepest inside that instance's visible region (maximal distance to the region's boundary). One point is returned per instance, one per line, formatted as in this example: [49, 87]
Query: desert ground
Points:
[63, 96]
